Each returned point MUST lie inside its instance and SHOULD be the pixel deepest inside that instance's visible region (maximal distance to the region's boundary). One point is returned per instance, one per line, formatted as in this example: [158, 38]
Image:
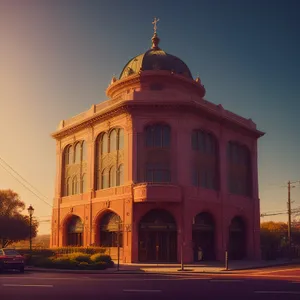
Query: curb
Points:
[128, 272]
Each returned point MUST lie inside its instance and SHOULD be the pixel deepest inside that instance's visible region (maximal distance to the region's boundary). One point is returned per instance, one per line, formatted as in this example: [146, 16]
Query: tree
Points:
[14, 226]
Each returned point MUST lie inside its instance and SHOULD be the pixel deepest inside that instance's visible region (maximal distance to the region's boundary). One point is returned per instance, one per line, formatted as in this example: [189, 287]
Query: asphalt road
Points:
[59, 286]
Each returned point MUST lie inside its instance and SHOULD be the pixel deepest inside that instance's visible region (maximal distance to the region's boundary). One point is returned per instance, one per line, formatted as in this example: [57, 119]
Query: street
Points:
[272, 283]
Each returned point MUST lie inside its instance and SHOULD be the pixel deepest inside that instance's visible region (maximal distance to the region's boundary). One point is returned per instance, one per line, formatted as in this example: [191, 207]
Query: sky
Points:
[57, 58]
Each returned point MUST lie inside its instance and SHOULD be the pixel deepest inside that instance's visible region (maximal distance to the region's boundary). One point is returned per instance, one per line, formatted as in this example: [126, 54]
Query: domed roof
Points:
[155, 59]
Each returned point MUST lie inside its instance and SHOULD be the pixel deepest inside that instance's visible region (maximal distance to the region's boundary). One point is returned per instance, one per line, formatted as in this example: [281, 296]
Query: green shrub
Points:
[79, 257]
[87, 250]
[64, 263]
[100, 258]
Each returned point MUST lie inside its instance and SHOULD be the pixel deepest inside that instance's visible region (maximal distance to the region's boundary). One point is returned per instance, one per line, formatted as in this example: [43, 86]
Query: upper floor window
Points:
[113, 141]
[158, 136]
[239, 169]
[158, 173]
[104, 143]
[203, 141]
[74, 154]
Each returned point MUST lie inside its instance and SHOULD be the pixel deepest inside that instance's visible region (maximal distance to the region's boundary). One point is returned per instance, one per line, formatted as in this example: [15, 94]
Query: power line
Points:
[29, 189]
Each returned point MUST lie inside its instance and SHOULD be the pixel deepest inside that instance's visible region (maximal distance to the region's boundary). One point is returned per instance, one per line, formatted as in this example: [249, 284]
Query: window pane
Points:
[77, 153]
[105, 180]
[74, 186]
[166, 137]
[84, 156]
[121, 175]
[104, 144]
[149, 136]
[201, 141]
[69, 153]
[121, 139]
[158, 136]
[112, 177]
[83, 184]
[113, 141]
[149, 175]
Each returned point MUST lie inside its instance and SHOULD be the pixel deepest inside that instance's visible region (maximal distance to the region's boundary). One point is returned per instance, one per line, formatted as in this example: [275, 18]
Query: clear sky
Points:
[57, 58]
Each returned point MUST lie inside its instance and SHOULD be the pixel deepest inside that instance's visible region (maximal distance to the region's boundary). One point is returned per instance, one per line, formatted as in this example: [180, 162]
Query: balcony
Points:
[156, 192]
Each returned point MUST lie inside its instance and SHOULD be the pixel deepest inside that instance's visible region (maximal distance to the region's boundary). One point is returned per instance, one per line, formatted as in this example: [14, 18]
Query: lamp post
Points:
[30, 212]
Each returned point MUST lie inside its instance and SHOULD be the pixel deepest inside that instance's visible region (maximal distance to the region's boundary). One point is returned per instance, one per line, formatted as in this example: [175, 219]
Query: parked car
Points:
[10, 259]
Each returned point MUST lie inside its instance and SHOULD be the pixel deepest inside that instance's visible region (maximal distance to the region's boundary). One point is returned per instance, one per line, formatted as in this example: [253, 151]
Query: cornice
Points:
[127, 106]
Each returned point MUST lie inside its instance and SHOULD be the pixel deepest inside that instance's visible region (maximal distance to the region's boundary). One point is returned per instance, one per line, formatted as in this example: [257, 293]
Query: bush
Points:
[79, 257]
[100, 258]
[88, 250]
[64, 263]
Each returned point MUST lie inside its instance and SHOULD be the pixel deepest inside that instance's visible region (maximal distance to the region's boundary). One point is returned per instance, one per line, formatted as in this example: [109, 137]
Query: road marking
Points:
[142, 291]
[278, 292]
[28, 285]
[46, 278]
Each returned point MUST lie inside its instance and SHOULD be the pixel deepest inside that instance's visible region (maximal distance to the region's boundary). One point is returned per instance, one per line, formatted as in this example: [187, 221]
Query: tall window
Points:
[105, 179]
[107, 171]
[205, 160]
[120, 175]
[74, 186]
[74, 232]
[113, 141]
[239, 169]
[77, 154]
[121, 139]
[83, 184]
[112, 176]
[74, 157]
[158, 136]
[104, 143]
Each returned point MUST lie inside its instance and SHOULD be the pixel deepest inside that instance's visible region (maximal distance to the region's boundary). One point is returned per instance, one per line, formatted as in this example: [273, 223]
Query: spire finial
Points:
[155, 21]
[155, 38]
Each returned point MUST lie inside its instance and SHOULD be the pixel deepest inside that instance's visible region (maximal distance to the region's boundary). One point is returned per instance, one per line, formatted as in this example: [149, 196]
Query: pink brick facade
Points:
[144, 173]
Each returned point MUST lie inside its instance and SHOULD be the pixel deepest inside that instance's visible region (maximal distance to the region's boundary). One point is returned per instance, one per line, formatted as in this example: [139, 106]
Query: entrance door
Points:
[204, 237]
[160, 246]
[157, 237]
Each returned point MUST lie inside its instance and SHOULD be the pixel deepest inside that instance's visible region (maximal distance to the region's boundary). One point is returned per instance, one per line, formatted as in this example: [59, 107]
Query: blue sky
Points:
[57, 58]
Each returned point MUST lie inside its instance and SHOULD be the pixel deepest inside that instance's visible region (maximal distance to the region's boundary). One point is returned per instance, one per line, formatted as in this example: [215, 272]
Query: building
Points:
[159, 169]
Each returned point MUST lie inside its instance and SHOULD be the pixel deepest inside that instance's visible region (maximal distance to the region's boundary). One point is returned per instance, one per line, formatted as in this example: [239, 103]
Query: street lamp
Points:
[30, 212]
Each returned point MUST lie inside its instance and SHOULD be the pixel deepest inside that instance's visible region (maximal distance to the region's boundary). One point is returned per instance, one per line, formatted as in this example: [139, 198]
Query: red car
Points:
[10, 259]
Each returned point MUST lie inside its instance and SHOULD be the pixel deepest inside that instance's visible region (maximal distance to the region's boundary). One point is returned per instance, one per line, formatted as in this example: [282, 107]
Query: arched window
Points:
[104, 143]
[158, 136]
[83, 146]
[112, 176]
[74, 231]
[113, 141]
[203, 142]
[68, 187]
[110, 228]
[105, 179]
[68, 155]
[120, 175]
[121, 139]
[77, 154]
[74, 186]
[83, 184]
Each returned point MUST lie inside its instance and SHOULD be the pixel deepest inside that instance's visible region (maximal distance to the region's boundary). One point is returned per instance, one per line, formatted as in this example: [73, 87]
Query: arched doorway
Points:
[110, 227]
[157, 237]
[204, 237]
[74, 232]
[237, 239]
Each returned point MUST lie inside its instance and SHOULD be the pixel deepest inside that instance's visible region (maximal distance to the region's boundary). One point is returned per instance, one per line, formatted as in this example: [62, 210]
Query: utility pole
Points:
[289, 219]
[290, 185]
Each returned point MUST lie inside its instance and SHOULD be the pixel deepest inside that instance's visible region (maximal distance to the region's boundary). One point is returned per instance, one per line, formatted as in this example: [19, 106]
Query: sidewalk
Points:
[213, 267]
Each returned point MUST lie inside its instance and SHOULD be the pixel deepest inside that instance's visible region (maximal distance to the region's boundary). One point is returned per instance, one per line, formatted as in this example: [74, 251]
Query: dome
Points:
[156, 59]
